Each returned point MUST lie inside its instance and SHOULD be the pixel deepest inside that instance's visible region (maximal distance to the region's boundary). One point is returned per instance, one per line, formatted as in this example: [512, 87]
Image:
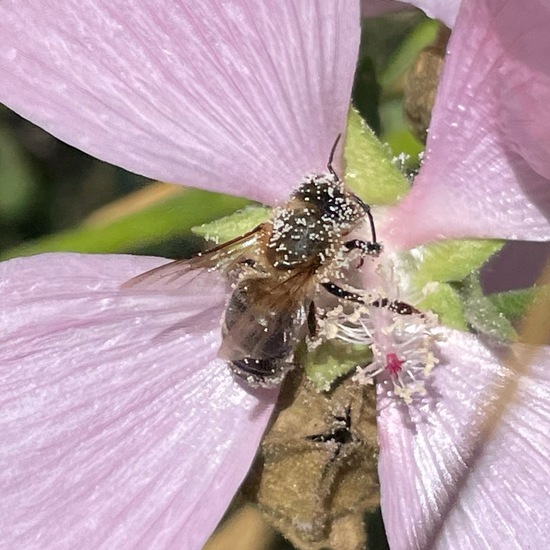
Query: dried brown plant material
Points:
[421, 84]
[316, 474]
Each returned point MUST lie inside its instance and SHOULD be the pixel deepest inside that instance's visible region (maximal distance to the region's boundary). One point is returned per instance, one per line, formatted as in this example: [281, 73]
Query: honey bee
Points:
[276, 270]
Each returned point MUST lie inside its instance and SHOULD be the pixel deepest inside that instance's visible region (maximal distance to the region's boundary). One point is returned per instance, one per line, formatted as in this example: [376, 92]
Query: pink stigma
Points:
[393, 363]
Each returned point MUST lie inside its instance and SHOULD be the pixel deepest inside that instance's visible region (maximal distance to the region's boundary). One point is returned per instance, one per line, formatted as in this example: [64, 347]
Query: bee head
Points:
[327, 193]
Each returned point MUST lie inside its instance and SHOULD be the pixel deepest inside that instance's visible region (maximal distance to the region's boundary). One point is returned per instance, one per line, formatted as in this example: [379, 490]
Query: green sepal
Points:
[452, 260]
[331, 360]
[234, 225]
[403, 142]
[438, 267]
[445, 301]
[370, 171]
[482, 314]
[515, 304]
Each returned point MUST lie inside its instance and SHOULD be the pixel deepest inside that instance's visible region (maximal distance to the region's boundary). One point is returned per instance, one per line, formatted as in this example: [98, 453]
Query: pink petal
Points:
[488, 160]
[525, 81]
[373, 8]
[444, 10]
[469, 467]
[120, 428]
[219, 95]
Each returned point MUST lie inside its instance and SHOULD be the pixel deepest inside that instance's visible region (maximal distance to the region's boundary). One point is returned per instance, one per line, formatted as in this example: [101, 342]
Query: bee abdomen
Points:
[261, 372]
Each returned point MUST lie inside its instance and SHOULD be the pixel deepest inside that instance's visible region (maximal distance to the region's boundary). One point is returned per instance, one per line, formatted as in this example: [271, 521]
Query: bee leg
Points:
[397, 306]
[368, 213]
[339, 292]
[365, 247]
[312, 320]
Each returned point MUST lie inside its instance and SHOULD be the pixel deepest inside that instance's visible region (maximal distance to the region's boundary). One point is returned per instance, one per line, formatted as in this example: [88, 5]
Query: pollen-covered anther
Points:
[345, 323]
[403, 351]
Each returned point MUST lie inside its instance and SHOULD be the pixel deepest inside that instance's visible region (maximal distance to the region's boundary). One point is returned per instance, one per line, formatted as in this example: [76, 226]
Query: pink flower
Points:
[496, 84]
[120, 428]
[467, 468]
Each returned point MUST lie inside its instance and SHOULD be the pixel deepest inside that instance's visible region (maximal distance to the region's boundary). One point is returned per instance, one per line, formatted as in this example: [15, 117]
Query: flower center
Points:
[401, 338]
[393, 363]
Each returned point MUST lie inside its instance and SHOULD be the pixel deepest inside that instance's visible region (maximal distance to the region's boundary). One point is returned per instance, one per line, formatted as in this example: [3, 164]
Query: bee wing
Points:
[269, 322]
[176, 274]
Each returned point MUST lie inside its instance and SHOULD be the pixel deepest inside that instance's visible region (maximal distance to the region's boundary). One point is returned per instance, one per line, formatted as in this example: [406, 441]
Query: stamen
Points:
[403, 351]
[402, 345]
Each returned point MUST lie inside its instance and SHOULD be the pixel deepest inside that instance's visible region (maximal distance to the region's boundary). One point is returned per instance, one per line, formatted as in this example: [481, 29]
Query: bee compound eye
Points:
[261, 372]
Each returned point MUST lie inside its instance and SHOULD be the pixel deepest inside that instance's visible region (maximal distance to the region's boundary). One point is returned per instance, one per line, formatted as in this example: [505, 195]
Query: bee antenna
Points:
[331, 157]
[368, 212]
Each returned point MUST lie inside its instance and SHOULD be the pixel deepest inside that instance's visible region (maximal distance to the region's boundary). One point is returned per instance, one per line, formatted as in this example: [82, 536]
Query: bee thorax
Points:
[305, 232]
[298, 238]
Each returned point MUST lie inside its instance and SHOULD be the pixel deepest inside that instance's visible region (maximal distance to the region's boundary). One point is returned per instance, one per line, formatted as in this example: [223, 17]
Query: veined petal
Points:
[525, 81]
[487, 161]
[221, 95]
[469, 466]
[120, 428]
